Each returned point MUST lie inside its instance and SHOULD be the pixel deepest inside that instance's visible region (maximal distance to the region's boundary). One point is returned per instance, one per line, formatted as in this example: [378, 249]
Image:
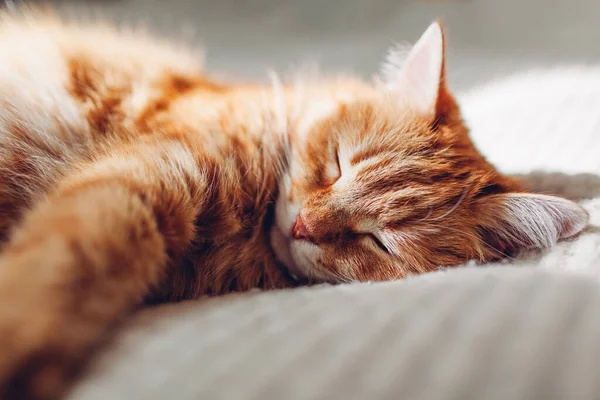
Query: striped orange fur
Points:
[128, 176]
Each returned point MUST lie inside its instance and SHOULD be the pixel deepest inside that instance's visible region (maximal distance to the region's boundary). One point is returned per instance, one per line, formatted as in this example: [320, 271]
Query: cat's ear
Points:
[516, 221]
[417, 78]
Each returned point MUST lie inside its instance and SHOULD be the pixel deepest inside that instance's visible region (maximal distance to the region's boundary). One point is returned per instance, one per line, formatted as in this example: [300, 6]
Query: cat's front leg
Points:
[85, 257]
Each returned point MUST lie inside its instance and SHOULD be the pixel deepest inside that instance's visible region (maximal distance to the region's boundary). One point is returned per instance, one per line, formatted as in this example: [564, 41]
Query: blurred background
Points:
[245, 37]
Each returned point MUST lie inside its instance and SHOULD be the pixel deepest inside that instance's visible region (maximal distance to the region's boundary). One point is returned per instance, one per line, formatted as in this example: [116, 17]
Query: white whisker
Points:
[460, 200]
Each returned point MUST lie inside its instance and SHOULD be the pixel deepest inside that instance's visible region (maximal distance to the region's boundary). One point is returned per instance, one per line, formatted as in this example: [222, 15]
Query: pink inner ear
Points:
[574, 224]
[417, 83]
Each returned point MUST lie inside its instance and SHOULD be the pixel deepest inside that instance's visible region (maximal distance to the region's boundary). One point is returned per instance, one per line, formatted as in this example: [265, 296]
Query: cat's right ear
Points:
[417, 78]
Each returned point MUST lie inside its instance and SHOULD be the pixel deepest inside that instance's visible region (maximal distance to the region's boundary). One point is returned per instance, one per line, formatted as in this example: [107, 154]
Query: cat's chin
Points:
[282, 246]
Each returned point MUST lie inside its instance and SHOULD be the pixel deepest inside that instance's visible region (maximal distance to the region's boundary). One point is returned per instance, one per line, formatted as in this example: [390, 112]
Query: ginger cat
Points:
[127, 176]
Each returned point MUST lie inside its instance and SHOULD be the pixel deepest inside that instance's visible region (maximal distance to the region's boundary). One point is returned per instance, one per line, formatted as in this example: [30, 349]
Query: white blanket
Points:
[505, 332]
[544, 126]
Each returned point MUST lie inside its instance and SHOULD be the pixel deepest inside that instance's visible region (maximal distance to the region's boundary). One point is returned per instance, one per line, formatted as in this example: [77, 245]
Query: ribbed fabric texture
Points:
[475, 333]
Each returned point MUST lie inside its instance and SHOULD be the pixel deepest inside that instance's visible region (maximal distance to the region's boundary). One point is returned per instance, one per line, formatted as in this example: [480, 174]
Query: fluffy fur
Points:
[128, 176]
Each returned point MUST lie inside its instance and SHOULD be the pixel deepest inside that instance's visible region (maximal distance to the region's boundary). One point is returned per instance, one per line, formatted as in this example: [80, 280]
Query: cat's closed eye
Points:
[374, 239]
[333, 171]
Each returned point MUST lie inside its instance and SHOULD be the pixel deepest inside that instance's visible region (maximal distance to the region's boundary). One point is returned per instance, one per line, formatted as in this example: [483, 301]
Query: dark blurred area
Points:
[245, 37]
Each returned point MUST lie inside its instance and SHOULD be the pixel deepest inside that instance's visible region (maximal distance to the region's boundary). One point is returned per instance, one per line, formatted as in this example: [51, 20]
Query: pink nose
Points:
[300, 231]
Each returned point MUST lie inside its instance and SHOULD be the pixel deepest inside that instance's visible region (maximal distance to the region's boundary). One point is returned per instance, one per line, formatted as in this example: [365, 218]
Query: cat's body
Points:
[129, 176]
[110, 104]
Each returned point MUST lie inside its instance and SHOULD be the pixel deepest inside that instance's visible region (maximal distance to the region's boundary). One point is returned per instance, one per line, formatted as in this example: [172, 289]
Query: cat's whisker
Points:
[426, 218]
[460, 200]
[401, 275]
[500, 253]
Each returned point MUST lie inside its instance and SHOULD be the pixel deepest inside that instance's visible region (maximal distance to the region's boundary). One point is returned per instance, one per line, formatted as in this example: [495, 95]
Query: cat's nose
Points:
[300, 231]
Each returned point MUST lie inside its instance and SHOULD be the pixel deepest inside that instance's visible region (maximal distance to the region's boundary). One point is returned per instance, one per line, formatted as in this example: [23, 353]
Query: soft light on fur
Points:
[128, 176]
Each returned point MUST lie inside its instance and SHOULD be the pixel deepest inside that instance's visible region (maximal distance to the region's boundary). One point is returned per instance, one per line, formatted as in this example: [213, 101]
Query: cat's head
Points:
[387, 183]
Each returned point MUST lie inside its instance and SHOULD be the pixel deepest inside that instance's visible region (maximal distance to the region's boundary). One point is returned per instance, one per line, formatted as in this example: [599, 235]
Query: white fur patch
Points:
[34, 92]
[315, 112]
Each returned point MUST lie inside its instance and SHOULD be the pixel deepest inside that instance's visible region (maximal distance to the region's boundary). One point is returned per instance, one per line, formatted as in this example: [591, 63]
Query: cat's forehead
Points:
[379, 165]
[388, 187]
[377, 119]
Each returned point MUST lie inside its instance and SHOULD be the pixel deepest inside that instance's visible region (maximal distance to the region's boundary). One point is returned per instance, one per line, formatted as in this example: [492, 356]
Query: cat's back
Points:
[67, 79]
[68, 92]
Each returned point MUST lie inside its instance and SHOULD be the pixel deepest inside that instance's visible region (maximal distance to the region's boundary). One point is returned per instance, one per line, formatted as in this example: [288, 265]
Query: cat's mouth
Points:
[281, 245]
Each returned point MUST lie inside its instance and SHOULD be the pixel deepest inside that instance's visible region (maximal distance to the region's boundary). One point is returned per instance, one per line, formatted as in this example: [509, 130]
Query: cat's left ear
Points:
[417, 80]
[516, 221]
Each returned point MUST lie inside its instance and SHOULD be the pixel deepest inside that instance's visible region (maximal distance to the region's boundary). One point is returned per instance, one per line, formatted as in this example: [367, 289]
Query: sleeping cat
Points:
[128, 177]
